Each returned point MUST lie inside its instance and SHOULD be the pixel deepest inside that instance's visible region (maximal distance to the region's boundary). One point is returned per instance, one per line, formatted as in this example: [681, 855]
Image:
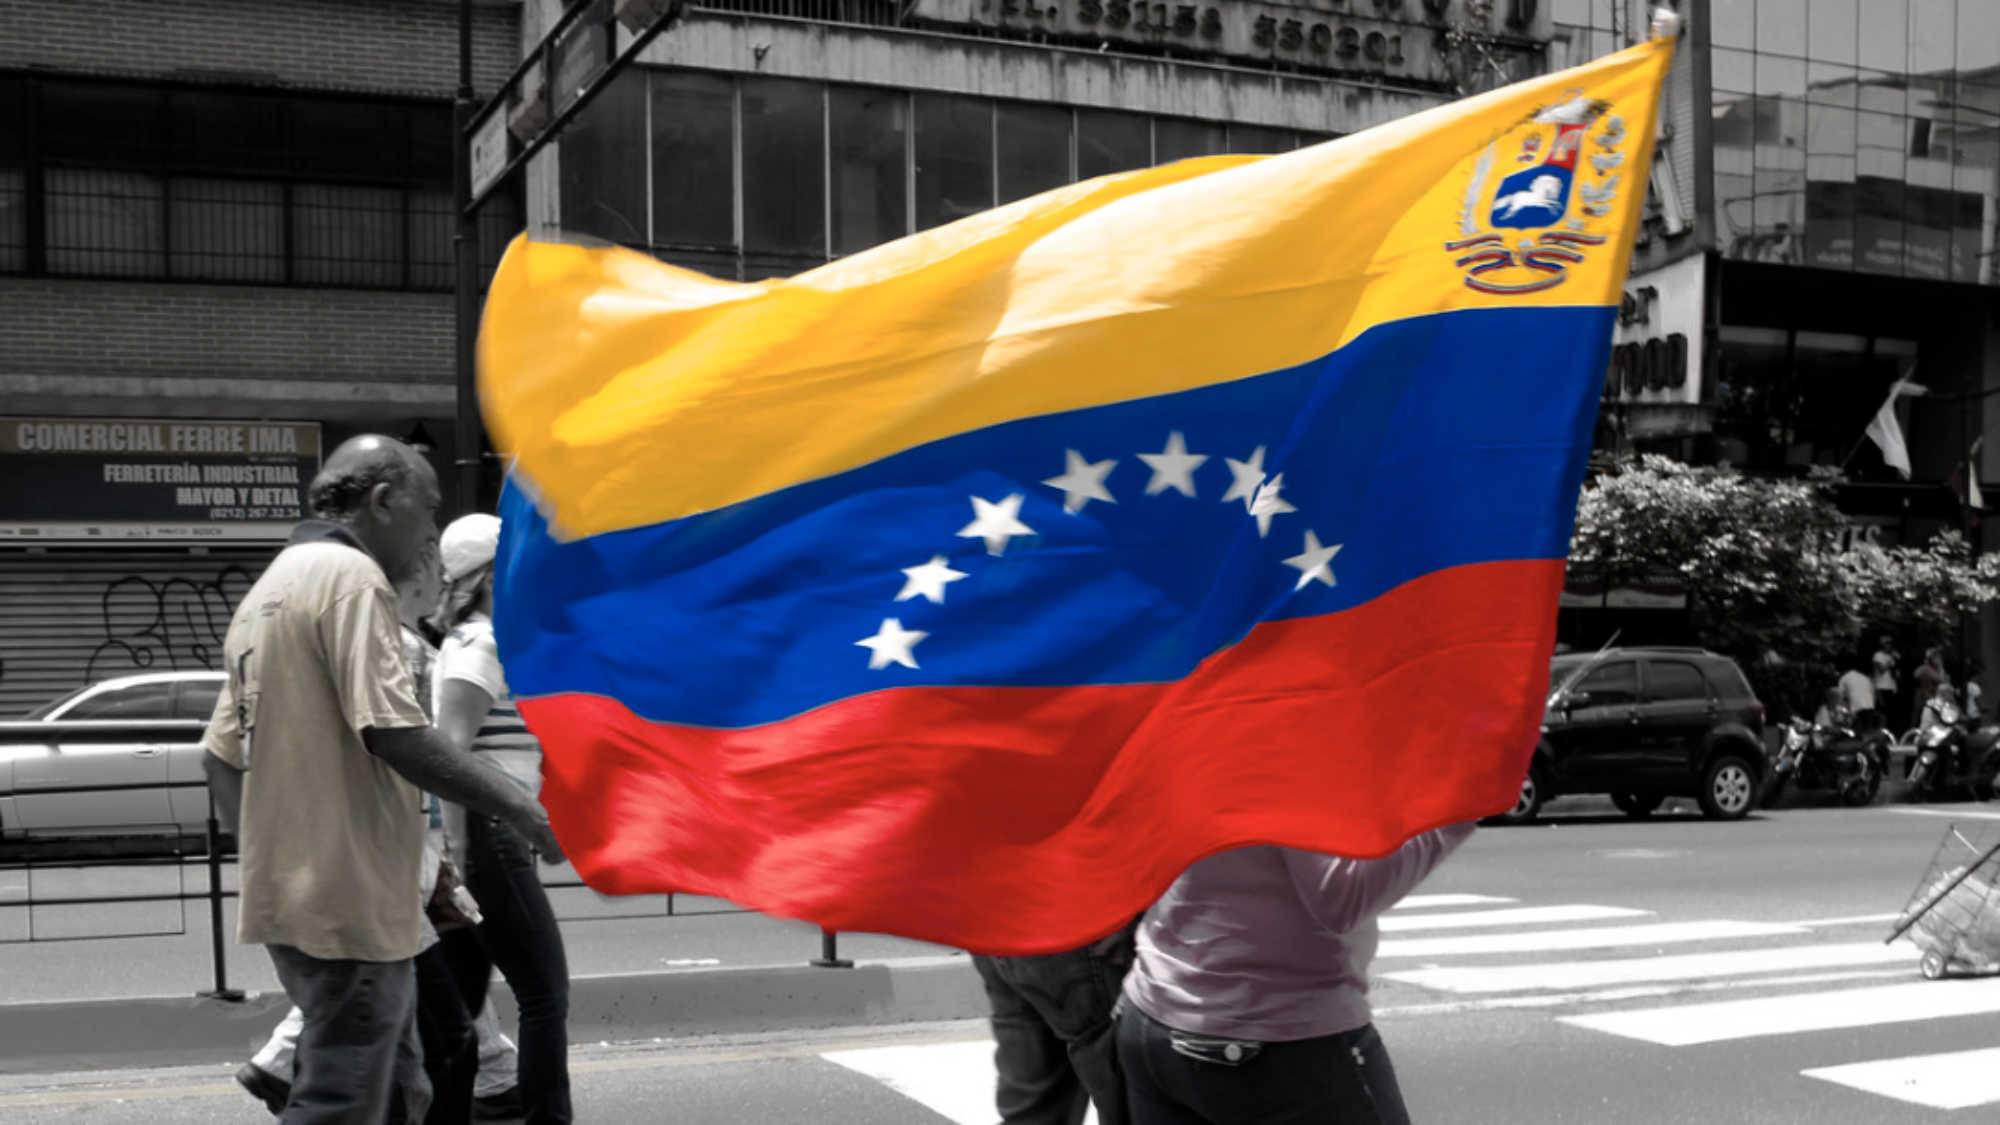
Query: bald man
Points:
[320, 714]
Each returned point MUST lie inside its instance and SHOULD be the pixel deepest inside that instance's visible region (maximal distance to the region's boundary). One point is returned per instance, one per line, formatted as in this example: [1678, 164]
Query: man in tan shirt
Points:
[320, 713]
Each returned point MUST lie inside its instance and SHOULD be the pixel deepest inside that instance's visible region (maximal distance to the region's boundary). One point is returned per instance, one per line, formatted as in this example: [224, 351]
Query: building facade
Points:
[225, 245]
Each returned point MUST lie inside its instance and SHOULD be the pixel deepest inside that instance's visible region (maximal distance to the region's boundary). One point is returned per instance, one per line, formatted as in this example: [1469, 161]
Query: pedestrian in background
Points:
[1857, 694]
[1974, 708]
[519, 935]
[1884, 664]
[1930, 676]
[1055, 1042]
[1248, 1003]
[319, 710]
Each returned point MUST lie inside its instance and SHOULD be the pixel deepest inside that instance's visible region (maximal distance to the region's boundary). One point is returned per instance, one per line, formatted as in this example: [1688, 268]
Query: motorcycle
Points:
[1831, 757]
[1953, 752]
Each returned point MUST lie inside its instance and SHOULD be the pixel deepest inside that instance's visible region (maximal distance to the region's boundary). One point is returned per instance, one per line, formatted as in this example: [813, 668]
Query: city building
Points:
[225, 246]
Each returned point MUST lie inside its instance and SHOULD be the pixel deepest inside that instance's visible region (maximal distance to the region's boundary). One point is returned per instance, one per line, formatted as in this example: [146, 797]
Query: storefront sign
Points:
[106, 479]
[1393, 38]
[1656, 347]
[1584, 588]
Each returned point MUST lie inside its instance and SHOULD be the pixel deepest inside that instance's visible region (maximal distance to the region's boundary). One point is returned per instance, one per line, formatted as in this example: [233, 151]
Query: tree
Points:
[1767, 580]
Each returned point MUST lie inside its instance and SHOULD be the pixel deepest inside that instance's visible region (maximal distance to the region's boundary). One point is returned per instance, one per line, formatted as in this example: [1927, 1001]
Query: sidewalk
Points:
[163, 1031]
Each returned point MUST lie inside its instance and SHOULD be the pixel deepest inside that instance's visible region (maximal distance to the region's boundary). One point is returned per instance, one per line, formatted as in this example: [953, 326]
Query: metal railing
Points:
[212, 850]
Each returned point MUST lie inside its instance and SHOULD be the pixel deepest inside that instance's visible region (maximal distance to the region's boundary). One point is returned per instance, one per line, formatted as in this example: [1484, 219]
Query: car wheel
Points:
[1728, 788]
[1534, 793]
[1638, 806]
[1933, 965]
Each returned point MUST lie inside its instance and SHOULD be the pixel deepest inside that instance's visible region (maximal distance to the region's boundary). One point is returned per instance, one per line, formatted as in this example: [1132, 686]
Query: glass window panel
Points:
[13, 121]
[1881, 93]
[1933, 35]
[1177, 138]
[1307, 138]
[102, 123]
[1755, 395]
[13, 220]
[1927, 223]
[1733, 23]
[694, 159]
[141, 701]
[1107, 141]
[1735, 122]
[1735, 71]
[1830, 30]
[1613, 685]
[1033, 149]
[1979, 37]
[102, 222]
[430, 145]
[1572, 12]
[714, 263]
[1260, 138]
[1830, 221]
[1781, 27]
[1830, 83]
[1668, 680]
[1781, 133]
[1878, 224]
[1830, 130]
[784, 166]
[602, 165]
[1735, 198]
[347, 234]
[1881, 131]
[1884, 34]
[1780, 216]
[1780, 77]
[223, 132]
[954, 158]
[869, 132]
[432, 257]
[350, 140]
[1836, 396]
[226, 230]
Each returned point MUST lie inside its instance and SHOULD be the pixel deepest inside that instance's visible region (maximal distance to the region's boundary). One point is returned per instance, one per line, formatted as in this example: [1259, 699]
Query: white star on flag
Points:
[891, 645]
[929, 580]
[1268, 504]
[1312, 562]
[1082, 482]
[1173, 467]
[1249, 475]
[996, 523]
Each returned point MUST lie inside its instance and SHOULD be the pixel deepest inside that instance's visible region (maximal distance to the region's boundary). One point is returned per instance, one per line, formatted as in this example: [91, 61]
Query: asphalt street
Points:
[1592, 969]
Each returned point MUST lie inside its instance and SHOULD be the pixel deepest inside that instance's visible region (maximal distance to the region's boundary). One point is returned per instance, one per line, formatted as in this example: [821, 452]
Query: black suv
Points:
[1645, 724]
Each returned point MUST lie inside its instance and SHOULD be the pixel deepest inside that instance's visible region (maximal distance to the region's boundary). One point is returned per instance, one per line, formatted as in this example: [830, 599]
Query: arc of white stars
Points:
[1082, 481]
[1314, 563]
[1268, 503]
[996, 523]
[892, 644]
[1173, 467]
[1248, 476]
[928, 581]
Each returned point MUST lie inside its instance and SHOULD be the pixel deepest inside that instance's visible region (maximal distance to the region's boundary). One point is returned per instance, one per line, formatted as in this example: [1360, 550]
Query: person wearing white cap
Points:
[519, 935]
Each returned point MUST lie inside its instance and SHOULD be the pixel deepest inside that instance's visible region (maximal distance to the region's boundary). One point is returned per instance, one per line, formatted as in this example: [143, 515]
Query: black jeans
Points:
[1056, 1045]
[1343, 1079]
[518, 935]
[451, 1052]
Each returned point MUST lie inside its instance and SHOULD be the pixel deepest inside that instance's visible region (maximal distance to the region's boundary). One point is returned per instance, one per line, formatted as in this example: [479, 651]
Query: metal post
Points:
[829, 956]
[470, 440]
[218, 950]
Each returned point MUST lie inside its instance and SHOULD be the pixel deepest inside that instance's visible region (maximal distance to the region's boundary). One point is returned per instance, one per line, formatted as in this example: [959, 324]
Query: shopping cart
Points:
[1952, 915]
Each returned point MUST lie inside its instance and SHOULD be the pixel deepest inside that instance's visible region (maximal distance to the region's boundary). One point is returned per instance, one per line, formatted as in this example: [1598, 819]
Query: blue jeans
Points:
[1056, 1049]
[1343, 1079]
[357, 1014]
[519, 935]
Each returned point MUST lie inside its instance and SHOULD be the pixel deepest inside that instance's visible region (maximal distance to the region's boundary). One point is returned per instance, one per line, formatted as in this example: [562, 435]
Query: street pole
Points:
[470, 438]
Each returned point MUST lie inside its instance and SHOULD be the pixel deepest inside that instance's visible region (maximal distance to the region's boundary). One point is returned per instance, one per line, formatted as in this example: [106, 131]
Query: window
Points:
[1177, 139]
[1033, 149]
[784, 168]
[197, 700]
[212, 184]
[1669, 681]
[141, 701]
[1107, 141]
[954, 173]
[868, 134]
[1614, 685]
[1258, 138]
[602, 166]
[694, 159]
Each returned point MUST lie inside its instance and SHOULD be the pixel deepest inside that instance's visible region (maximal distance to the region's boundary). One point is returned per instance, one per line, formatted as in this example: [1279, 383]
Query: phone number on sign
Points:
[235, 515]
[1189, 21]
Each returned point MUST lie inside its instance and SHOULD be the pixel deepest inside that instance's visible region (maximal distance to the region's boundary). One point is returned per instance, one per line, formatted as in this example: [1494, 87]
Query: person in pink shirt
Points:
[1248, 1002]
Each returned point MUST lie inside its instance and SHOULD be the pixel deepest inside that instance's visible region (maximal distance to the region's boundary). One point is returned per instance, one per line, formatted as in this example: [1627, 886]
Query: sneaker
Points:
[503, 1106]
[266, 1087]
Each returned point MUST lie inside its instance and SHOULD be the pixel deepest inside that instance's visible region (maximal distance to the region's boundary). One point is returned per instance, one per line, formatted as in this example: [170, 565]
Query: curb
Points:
[158, 1031]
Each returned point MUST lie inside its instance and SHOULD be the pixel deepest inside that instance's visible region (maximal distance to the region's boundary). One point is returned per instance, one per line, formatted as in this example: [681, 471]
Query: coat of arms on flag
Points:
[971, 587]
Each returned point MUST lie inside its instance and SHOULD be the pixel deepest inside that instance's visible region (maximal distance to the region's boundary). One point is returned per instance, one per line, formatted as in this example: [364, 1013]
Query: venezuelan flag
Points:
[971, 587]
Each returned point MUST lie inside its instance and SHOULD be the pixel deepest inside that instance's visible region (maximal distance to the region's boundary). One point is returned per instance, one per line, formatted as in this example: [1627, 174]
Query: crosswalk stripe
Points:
[1791, 1015]
[1429, 902]
[1682, 967]
[1519, 916]
[1959, 1080]
[1608, 937]
[956, 1081]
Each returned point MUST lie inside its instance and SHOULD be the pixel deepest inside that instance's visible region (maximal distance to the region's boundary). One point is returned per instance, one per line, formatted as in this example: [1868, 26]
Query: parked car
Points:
[1645, 724]
[122, 757]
